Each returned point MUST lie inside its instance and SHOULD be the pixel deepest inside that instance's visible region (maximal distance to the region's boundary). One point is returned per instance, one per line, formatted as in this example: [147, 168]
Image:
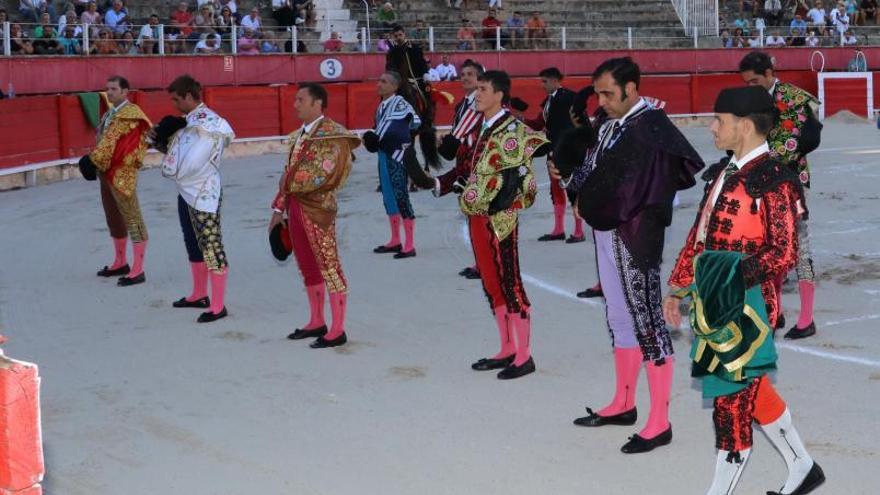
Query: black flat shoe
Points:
[487, 364]
[208, 317]
[512, 371]
[126, 281]
[552, 237]
[405, 254]
[474, 275]
[574, 240]
[107, 272]
[300, 334]
[198, 303]
[780, 322]
[468, 271]
[321, 342]
[638, 445]
[814, 478]
[387, 249]
[591, 292]
[626, 418]
[801, 333]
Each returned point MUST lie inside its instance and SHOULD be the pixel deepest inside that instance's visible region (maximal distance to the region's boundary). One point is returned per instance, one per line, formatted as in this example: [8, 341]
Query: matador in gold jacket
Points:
[317, 166]
[122, 144]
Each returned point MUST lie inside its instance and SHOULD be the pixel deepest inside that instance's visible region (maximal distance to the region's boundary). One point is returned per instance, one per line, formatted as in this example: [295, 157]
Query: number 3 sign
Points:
[331, 68]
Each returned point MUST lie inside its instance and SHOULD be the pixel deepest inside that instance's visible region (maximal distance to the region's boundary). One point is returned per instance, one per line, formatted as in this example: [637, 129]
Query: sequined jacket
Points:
[756, 213]
[122, 144]
[797, 109]
[502, 180]
[317, 166]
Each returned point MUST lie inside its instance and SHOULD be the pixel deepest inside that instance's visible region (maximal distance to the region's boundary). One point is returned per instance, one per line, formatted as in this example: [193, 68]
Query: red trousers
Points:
[498, 263]
[302, 250]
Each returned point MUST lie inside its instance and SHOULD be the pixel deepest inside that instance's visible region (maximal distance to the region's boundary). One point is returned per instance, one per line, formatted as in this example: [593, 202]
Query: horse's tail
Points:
[428, 142]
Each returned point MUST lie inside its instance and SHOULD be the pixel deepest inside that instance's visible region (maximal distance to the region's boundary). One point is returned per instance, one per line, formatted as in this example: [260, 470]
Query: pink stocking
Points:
[316, 306]
[578, 226]
[505, 334]
[558, 219]
[522, 328]
[394, 223]
[218, 290]
[338, 302]
[409, 227]
[119, 244]
[627, 363]
[140, 250]
[807, 291]
[200, 280]
[660, 386]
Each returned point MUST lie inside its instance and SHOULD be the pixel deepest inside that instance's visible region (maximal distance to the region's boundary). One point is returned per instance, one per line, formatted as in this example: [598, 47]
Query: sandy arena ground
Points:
[139, 399]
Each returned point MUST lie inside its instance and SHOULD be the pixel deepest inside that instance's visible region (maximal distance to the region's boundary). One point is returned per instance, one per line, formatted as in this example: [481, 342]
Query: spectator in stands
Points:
[465, 36]
[867, 10]
[812, 40]
[231, 5]
[490, 24]
[754, 41]
[800, 8]
[386, 15]
[495, 4]
[18, 43]
[252, 21]
[127, 45]
[849, 39]
[726, 40]
[817, 18]
[70, 45]
[798, 26]
[852, 10]
[384, 43]
[211, 43]
[4, 18]
[91, 17]
[282, 12]
[117, 18]
[742, 22]
[148, 35]
[105, 44]
[333, 43]
[248, 44]
[840, 19]
[536, 30]
[47, 44]
[204, 22]
[775, 40]
[225, 23]
[45, 21]
[269, 45]
[773, 12]
[739, 38]
[419, 34]
[182, 21]
[445, 71]
[31, 10]
[69, 18]
[516, 31]
[305, 11]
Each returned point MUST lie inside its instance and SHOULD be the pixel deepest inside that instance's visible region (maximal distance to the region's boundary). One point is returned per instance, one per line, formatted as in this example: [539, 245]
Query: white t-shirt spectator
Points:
[850, 40]
[147, 32]
[812, 41]
[431, 76]
[446, 72]
[816, 16]
[841, 21]
[114, 21]
[203, 47]
[62, 22]
[249, 22]
[230, 4]
[775, 41]
[754, 42]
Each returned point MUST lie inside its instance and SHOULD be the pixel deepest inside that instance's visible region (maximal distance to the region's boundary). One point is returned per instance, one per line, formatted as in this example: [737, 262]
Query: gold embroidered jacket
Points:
[122, 144]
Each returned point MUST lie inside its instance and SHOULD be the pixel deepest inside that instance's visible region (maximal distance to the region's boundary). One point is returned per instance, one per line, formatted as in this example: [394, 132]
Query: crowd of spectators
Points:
[811, 23]
[200, 26]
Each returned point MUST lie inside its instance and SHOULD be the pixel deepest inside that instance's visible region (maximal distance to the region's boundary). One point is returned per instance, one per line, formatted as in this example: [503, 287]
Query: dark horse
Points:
[407, 59]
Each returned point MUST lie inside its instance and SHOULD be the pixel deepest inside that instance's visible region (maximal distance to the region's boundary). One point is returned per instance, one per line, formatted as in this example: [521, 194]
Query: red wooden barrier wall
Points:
[43, 128]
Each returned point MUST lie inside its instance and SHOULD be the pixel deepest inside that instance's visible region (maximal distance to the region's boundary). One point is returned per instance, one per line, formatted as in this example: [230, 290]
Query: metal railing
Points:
[701, 15]
[166, 40]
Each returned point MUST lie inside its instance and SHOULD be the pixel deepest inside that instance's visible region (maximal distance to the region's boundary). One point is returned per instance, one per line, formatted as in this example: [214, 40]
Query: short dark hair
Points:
[397, 27]
[622, 69]
[186, 85]
[499, 80]
[474, 65]
[317, 92]
[757, 62]
[551, 73]
[123, 82]
[764, 122]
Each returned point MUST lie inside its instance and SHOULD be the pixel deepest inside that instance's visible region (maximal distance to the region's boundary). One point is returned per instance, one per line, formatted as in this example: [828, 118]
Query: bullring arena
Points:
[135, 397]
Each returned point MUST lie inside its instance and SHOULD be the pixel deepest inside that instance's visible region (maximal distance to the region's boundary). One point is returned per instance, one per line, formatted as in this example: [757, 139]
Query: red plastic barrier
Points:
[21, 447]
[846, 94]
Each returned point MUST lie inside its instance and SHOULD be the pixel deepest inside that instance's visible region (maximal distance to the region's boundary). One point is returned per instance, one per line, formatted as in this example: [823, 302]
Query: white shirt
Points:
[850, 40]
[772, 5]
[249, 22]
[840, 20]
[431, 76]
[307, 128]
[775, 41]
[490, 122]
[203, 45]
[812, 41]
[754, 42]
[231, 5]
[446, 72]
[817, 16]
[719, 182]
